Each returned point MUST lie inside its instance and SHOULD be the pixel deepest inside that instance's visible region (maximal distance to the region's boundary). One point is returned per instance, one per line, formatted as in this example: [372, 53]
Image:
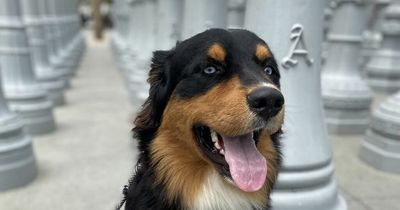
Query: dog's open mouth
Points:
[237, 158]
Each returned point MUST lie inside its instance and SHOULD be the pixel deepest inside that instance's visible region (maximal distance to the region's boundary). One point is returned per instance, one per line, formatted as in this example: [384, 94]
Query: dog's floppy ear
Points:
[149, 118]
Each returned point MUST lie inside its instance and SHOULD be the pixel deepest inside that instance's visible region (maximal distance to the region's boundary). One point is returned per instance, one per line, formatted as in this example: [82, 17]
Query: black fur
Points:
[143, 194]
[179, 72]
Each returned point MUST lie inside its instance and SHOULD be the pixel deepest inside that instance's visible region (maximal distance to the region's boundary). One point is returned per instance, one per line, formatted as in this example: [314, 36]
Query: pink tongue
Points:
[247, 166]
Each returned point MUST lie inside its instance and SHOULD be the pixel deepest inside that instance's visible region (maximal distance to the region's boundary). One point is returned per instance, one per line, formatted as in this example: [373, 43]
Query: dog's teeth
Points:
[216, 145]
[222, 151]
[229, 180]
[214, 137]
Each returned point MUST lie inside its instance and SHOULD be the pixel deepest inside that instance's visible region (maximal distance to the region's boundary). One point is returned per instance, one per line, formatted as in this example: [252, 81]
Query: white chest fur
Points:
[216, 195]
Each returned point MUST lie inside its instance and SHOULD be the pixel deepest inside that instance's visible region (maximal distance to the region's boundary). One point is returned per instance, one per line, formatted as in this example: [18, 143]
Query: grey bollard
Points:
[346, 96]
[201, 15]
[373, 35]
[327, 22]
[131, 35]
[328, 12]
[164, 35]
[62, 20]
[47, 7]
[116, 42]
[120, 34]
[133, 71]
[17, 160]
[169, 23]
[305, 181]
[48, 36]
[147, 47]
[57, 20]
[383, 68]
[236, 10]
[44, 73]
[72, 38]
[114, 32]
[24, 94]
[56, 27]
[143, 44]
[146, 39]
[79, 41]
[380, 147]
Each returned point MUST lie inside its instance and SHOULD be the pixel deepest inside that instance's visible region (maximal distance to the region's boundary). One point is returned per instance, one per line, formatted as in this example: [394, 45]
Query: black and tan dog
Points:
[209, 131]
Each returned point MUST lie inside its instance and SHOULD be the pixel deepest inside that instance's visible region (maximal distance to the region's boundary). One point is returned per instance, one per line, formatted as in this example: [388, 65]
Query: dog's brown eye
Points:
[210, 70]
[269, 70]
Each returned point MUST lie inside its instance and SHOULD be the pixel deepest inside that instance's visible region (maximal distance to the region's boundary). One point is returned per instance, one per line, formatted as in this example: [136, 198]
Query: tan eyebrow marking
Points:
[262, 52]
[216, 52]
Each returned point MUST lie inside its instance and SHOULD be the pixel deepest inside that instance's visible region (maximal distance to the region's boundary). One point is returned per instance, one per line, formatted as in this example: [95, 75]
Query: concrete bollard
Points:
[68, 42]
[24, 94]
[146, 39]
[115, 33]
[17, 160]
[162, 31]
[134, 77]
[79, 38]
[347, 97]
[48, 36]
[373, 35]
[169, 23]
[44, 73]
[62, 19]
[73, 40]
[52, 35]
[121, 11]
[383, 68]
[131, 35]
[201, 15]
[381, 145]
[163, 36]
[328, 12]
[236, 10]
[142, 43]
[306, 179]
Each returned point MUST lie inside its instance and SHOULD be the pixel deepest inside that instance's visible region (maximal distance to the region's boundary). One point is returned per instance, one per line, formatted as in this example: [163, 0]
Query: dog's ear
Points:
[149, 118]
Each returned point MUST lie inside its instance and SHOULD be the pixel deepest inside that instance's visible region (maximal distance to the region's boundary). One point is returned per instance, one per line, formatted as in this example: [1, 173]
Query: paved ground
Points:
[87, 161]
[362, 186]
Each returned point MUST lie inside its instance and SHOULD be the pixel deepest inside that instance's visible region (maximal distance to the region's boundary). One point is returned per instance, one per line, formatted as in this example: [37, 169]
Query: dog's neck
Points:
[215, 193]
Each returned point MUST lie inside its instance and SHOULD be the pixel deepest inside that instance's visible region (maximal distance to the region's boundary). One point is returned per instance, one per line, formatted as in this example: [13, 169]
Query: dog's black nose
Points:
[266, 102]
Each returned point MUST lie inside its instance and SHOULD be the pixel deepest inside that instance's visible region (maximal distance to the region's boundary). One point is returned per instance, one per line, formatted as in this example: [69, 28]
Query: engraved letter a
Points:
[298, 48]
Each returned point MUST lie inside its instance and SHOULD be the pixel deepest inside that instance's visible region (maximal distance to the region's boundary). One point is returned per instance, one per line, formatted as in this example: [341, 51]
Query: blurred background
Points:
[73, 75]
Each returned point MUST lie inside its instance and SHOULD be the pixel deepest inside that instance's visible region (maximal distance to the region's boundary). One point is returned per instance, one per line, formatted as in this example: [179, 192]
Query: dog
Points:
[208, 134]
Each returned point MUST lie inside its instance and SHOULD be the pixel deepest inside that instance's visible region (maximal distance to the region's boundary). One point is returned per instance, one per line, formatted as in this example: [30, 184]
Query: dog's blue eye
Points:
[268, 70]
[210, 70]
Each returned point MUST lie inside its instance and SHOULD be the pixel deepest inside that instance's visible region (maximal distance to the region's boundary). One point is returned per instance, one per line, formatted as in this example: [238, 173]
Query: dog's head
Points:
[214, 102]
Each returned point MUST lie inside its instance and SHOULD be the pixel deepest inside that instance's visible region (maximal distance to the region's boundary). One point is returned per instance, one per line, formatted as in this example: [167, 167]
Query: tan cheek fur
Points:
[275, 124]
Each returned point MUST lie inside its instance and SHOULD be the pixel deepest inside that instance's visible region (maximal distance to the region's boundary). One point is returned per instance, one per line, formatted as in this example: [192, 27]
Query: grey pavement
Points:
[363, 187]
[85, 163]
